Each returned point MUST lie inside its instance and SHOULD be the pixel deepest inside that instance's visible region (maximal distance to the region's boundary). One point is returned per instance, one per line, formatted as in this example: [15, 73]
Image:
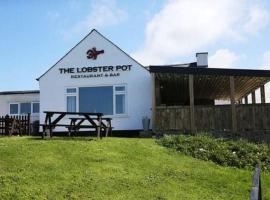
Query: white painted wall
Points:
[138, 81]
[6, 99]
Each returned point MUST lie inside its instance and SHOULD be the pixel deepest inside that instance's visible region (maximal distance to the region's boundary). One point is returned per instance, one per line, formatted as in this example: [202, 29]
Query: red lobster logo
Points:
[93, 53]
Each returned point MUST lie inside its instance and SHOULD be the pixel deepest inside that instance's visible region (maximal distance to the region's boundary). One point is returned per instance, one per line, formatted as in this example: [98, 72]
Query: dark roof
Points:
[207, 71]
[20, 92]
[93, 30]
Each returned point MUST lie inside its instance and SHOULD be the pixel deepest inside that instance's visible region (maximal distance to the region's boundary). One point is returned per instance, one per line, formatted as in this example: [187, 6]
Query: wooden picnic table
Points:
[94, 120]
[76, 123]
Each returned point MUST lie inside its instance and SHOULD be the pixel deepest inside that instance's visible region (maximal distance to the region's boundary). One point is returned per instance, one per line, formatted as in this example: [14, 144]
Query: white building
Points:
[97, 76]
[20, 103]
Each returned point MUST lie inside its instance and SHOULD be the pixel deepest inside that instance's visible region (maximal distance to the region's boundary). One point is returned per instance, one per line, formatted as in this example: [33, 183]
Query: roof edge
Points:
[209, 71]
[66, 54]
[20, 92]
[93, 30]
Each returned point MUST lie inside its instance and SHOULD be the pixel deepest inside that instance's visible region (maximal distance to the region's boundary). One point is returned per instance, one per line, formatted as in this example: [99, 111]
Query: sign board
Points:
[97, 71]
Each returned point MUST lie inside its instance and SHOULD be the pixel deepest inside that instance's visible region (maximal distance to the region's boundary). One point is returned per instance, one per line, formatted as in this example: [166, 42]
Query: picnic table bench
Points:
[76, 123]
[93, 120]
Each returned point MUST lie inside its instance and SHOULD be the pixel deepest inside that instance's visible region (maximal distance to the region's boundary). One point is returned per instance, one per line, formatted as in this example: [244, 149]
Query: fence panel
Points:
[19, 124]
[218, 118]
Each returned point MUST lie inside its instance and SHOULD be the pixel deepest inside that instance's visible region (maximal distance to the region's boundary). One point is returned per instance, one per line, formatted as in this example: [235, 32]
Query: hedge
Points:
[240, 154]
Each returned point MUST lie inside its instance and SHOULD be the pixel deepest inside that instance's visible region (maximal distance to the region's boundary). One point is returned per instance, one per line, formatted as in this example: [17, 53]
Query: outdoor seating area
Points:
[76, 121]
[185, 99]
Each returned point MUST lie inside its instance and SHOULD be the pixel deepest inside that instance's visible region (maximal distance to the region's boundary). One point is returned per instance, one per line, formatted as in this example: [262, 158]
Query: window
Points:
[120, 88]
[108, 100]
[71, 96]
[71, 103]
[71, 90]
[120, 103]
[120, 99]
[25, 108]
[96, 99]
[14, 109]
[35, 107]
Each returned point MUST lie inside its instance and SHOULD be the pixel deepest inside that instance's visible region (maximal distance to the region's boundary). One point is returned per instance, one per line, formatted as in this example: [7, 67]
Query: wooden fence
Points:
[19, 124]
[249, 117]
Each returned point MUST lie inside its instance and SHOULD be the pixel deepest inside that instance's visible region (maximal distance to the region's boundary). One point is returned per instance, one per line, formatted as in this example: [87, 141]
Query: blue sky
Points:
[35, 34]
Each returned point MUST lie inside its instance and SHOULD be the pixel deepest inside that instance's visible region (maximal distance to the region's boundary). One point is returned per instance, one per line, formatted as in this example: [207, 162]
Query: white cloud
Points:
[266, 60]
[224, 58]
[184, 26]
[103, 13]
[257, 19]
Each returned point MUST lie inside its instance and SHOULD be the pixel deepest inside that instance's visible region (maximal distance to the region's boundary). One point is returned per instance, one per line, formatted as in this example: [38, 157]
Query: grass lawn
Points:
[113, 168]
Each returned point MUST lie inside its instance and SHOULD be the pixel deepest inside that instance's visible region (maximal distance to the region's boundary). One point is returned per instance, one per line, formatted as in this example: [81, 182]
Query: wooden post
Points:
[262, 88]
[191, 102]
[253, 97]
[246, 99]
[157, 92]
[99, 128]
[7, 124]
[233, 111]
[28, 123]
[256, 190]
[153, 102]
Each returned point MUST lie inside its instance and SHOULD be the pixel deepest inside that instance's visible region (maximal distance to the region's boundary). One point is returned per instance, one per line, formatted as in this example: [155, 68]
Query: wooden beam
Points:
[246, 99]
[253, 101]
[153, 101]
[233, 110]
[191, 102]
[262, 89]
[253, 97]
[157, 88]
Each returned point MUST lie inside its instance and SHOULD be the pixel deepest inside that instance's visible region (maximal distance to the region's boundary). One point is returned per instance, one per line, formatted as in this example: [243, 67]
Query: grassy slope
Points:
[113, 168]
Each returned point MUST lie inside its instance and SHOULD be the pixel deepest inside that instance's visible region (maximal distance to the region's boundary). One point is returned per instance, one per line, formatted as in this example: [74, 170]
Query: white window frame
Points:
[72, 94]
[19, 107]
[114, 99]
[76, 94]
[32, 110]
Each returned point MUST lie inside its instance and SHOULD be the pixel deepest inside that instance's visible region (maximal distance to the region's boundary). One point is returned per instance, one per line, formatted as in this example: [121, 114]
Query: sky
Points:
[36, 34]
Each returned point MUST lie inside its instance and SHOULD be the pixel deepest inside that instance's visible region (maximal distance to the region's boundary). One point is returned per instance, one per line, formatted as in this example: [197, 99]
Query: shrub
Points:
[240, 154]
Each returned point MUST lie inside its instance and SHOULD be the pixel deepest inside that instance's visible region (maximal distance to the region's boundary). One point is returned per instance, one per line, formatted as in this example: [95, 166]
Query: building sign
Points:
[93, 53]
[92, 72]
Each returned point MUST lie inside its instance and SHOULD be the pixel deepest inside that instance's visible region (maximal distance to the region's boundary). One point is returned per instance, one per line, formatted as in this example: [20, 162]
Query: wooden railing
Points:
[249, 117]
[18, 124]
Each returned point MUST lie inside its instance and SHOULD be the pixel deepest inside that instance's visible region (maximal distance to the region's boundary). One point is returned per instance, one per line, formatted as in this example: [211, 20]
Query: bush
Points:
[240, 154]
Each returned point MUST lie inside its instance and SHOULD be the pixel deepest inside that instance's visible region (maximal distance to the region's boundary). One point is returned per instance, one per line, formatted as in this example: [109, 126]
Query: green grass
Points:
[113, 168]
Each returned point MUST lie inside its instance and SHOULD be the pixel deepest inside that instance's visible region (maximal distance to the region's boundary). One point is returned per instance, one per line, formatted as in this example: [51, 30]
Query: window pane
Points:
[25, 108]
[120, 88]
[71, 104]
[71, 90]
[120, 103]
[14, 109]
[96, 99]
[35, 107]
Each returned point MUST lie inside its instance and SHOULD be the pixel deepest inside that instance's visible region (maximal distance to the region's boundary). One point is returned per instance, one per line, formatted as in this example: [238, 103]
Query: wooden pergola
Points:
[191, 86]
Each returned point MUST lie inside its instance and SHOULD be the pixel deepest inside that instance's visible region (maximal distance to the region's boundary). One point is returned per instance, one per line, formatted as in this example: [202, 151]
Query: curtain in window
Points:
[120, 103]
[71, 103]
